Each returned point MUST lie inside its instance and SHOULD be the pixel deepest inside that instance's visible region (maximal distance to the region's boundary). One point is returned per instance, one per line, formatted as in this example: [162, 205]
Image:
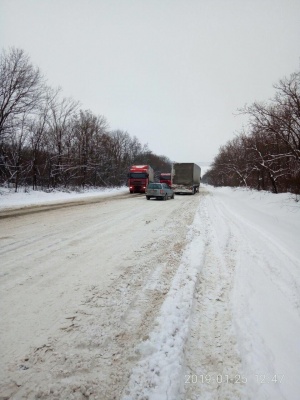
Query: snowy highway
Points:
[127, 299]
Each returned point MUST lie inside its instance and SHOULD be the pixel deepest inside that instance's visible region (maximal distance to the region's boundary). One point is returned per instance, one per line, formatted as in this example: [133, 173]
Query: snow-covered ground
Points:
[27, 197]
[193, 298]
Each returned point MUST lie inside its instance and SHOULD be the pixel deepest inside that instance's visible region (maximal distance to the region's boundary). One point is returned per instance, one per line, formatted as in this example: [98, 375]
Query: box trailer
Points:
[186, 177]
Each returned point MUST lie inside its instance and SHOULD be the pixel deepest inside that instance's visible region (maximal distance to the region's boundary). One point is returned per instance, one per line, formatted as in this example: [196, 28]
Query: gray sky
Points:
[170, 72]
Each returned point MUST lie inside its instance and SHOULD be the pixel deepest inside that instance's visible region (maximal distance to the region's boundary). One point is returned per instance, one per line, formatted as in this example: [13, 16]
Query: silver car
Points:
[159, 191]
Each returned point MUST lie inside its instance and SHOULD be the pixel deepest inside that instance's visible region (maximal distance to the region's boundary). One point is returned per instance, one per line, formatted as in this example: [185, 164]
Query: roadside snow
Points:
[9, 199]
[266, 296]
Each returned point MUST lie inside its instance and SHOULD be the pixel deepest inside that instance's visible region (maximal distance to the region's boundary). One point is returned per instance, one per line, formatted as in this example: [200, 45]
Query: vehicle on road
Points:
[166, 177]
[159, 191]
[139, 177]
[186, 178]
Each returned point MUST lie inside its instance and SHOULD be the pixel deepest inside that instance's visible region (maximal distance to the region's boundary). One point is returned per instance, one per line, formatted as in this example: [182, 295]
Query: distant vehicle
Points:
[186, 178]
[159, 191]
[139, 177]
[166, 177]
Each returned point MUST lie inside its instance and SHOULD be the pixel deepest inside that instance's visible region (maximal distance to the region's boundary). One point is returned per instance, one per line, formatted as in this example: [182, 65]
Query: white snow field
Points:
[115, 297]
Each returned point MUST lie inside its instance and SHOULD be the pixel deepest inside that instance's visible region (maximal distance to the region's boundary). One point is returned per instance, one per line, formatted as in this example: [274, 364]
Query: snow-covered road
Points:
[193, 298]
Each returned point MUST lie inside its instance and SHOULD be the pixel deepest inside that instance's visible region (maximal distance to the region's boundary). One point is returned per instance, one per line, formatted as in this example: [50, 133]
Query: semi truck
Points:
[139, 177]
[186, 177]
[166, 177]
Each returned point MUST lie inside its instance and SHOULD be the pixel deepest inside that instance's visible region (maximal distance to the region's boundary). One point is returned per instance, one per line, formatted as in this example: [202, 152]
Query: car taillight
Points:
[161, 191]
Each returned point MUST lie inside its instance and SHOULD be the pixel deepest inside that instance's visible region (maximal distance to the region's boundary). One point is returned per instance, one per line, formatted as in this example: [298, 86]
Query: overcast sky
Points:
[170, 72]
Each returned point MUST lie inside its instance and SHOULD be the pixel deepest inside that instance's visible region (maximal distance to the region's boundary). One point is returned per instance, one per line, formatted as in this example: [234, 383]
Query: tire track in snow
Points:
[157, 374]
[213, 365]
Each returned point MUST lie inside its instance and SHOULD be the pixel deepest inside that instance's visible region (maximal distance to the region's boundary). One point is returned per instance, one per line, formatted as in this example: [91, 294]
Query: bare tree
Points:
[88, 128]
[119, 152]
[287, 99]
[60, 119]
[21, 87]
[38, 127]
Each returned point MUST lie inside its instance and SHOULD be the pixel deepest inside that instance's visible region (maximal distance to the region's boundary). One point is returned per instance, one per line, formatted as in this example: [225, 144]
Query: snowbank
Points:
[10, 199]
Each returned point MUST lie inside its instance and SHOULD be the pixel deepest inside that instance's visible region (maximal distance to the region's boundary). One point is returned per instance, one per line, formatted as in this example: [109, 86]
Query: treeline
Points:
[47, 141]
[266, 155]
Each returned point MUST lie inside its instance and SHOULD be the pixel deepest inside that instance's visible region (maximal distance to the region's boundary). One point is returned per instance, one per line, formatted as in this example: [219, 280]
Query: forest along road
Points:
[80, 288]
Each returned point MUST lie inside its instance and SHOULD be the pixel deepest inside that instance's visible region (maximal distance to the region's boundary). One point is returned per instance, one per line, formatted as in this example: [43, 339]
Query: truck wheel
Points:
[148, 197]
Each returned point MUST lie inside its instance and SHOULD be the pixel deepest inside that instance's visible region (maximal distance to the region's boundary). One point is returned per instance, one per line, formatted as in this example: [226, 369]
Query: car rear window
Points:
[154, 186]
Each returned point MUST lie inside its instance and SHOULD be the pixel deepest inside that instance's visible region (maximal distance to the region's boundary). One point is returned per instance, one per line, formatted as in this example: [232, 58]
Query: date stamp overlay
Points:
[260, 379]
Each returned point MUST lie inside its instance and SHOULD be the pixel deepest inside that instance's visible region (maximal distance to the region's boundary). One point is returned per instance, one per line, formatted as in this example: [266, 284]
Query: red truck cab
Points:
[166, 177]
[139, 177]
